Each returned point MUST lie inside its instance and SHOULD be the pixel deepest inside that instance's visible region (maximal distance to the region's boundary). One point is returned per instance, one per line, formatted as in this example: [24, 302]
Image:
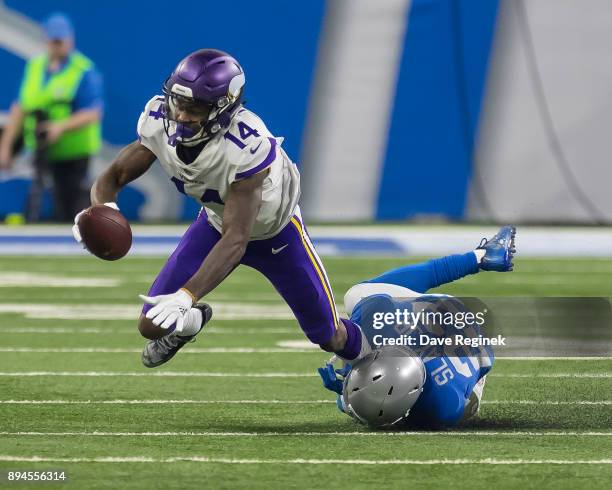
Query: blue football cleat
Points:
[499, 250]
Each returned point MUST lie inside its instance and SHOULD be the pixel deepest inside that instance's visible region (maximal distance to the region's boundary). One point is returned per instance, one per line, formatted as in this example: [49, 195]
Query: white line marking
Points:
[26, 279]
[132, 331]
[554, 375]
[203, 374]
[313, 434]
[193, 350]
[553, 358]
[297, 344]
[285, 348]
[271, 402]
[94, 311]
[165, 402]
[546, 402]
[206, 459]
[181, 374]
[58, 331]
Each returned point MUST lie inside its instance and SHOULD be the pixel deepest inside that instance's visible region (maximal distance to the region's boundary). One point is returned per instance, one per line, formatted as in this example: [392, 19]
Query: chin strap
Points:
[220, 121]
[223, 118]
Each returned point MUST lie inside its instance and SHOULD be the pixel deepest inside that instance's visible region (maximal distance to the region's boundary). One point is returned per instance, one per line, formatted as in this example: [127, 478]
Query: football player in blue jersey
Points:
[411, 371]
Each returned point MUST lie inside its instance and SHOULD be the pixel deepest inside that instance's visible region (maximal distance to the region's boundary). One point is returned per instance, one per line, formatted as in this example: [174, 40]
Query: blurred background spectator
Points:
[58, 110]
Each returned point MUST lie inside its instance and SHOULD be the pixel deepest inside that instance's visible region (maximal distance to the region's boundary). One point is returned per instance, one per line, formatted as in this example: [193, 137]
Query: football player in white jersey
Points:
[221, 154]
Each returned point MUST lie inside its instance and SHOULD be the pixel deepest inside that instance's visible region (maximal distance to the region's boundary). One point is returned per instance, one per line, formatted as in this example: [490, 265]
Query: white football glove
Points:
[76, 233]
[169, 308]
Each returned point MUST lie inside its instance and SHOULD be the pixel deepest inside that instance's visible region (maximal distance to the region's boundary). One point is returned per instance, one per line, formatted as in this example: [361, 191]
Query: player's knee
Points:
[337, 341]
[149, 330]
[352, 297]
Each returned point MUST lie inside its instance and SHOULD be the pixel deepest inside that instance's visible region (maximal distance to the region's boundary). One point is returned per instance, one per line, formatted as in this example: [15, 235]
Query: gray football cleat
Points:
[159, 351]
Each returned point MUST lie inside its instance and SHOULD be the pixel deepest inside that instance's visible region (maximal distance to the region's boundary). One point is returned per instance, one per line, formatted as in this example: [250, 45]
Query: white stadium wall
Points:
[545, 141]
[350, 108]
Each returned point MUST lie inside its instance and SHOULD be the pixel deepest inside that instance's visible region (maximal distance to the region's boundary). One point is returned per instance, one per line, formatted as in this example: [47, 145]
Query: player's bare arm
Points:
[131, 162]
[241, 208]
[240, 211]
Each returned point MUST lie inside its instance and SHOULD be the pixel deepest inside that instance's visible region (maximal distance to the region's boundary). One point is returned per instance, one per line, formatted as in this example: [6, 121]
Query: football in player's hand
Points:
[105, 232]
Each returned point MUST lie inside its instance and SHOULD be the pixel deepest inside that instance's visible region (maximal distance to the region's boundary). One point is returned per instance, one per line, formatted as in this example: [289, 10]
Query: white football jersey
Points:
[244, 149]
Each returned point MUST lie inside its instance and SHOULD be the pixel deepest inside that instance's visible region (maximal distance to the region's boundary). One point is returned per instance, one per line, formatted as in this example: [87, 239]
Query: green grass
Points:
[530, 418]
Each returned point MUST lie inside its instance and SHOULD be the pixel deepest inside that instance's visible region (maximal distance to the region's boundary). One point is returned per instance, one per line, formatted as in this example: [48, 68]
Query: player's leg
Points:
[195, 245]
[193, 248]
[415, 279]
[427, 275]
[292, 265]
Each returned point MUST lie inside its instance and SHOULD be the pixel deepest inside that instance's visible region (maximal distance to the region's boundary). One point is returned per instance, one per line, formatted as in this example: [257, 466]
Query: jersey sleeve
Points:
[259, 157]
[250, 146]
[150, 121]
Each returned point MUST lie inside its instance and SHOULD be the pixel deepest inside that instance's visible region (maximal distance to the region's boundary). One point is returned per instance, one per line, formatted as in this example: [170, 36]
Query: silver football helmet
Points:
[382, 387]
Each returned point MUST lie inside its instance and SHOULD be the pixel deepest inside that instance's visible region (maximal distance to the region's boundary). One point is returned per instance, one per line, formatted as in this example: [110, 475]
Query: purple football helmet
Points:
[208, 84]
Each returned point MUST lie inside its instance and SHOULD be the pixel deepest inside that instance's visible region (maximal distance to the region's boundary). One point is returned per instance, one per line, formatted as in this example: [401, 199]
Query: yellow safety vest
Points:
[55, 99]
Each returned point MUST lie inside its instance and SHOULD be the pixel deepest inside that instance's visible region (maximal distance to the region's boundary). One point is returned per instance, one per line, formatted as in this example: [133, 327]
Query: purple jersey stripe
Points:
[268, 160]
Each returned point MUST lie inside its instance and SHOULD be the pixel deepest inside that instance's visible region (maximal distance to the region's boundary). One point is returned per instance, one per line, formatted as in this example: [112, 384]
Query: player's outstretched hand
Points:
[76, 233]
[329, 378]
[169, 308]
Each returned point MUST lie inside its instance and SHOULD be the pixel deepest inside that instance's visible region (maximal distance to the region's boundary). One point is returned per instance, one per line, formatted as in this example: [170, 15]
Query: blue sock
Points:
[352, 348]
[433, 273]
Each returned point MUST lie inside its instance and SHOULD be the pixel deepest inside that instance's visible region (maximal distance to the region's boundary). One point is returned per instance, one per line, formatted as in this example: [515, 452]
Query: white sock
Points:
[365, 346]
[193, 323]
[364, 351]
[479, 253]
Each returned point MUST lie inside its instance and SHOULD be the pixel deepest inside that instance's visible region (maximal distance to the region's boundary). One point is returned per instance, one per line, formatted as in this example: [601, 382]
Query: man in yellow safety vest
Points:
[59, 110]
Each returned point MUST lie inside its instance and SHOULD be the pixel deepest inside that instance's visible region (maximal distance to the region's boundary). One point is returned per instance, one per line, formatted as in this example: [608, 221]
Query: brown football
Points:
[105, 232]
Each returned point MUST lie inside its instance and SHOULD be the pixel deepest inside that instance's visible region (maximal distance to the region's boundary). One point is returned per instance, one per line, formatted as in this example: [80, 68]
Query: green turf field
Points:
[242, 408]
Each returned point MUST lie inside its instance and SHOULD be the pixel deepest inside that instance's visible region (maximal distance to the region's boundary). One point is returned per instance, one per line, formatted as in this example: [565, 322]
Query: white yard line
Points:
[553, 358]
[204, 374]
[96, 311]
[133, 332]
[313, 434]
[270, 402]
[206, 459]
[9, 279]
[193, 350]
[166, 402]
[271, 350]
[181, 374]
[546, 402]
[553, 375]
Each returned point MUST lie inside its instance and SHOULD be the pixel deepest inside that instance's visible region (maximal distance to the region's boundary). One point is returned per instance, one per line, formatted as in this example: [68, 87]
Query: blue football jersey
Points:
[452, 371]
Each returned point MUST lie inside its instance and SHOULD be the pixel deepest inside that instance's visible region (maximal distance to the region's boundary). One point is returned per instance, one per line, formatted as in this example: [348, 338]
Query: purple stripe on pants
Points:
[284, 261]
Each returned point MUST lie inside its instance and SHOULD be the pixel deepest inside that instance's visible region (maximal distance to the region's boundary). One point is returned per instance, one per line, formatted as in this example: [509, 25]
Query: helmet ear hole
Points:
[390, 391]
[377, 377]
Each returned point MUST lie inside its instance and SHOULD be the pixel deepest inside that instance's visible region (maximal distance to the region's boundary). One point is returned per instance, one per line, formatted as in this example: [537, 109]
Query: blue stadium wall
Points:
[435, 116]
